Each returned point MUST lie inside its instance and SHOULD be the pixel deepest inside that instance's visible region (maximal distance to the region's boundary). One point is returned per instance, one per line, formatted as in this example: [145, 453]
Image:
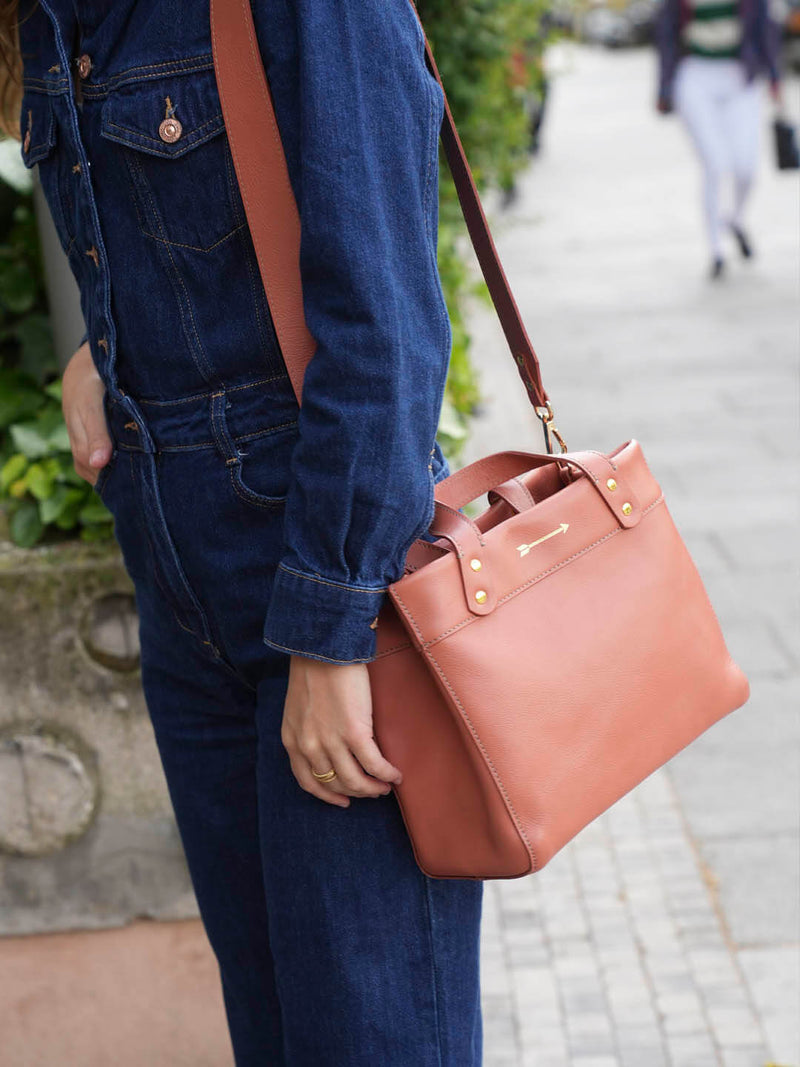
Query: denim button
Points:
[84, 65]
[170, 130]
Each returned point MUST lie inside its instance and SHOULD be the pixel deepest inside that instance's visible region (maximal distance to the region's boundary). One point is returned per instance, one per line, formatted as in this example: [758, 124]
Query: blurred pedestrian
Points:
[710, 55]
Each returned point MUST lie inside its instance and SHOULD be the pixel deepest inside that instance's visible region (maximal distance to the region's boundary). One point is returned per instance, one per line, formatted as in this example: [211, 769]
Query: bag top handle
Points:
[273, 216]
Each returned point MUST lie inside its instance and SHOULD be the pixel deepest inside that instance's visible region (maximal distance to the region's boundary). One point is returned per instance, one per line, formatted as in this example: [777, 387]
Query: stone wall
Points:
[87, 836]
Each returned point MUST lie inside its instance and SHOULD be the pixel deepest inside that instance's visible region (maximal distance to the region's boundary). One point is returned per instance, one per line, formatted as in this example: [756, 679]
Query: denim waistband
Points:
[238, 411]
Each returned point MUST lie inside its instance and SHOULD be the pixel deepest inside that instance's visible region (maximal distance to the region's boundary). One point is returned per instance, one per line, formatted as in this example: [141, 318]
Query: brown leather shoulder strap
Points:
[271, 209]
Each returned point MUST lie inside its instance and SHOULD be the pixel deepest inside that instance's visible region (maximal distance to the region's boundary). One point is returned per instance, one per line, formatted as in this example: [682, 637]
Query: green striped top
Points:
[713, 29]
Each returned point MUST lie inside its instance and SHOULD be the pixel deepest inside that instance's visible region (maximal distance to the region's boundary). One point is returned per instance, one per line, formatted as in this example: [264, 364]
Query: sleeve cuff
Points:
[312, 616]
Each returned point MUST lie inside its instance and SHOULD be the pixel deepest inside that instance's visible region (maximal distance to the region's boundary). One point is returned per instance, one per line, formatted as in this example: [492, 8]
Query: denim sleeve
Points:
[366, 181]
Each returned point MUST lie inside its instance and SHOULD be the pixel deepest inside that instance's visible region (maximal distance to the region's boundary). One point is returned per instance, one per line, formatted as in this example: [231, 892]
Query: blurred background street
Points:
[667, 932]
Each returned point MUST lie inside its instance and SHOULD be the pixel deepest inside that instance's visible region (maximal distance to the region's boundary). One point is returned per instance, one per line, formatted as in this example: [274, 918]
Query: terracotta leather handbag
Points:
[534, 663]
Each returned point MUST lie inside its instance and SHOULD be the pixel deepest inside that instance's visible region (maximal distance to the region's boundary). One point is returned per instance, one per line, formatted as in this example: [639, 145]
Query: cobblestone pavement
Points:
[666, 933]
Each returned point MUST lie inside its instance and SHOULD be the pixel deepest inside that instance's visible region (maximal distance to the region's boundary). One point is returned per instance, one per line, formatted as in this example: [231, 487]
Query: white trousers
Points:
[722, 114]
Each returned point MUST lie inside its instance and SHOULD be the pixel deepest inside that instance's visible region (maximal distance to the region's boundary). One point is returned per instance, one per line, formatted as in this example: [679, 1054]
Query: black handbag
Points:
[787, 154]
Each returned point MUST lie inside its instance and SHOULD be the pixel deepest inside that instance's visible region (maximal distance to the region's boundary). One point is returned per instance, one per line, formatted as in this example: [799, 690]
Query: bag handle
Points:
[468, 483]
[273, 217]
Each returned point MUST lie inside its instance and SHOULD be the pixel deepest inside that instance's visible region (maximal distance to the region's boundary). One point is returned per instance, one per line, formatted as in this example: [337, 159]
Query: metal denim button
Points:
[93, 255]
[170, 130]
[84, 65]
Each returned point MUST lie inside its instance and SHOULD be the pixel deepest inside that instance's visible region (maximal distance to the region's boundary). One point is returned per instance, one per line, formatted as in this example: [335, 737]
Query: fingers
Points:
[350, 776]
[366, 751]
[84, 414]
[327, 724]
[301, 769]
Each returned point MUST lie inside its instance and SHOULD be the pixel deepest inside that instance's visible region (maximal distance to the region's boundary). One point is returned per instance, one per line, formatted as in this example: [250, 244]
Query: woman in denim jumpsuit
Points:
[260, 537]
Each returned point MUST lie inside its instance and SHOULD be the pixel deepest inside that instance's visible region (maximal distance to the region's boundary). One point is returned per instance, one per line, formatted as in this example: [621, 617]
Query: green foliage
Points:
[40, 492]
[474, 43]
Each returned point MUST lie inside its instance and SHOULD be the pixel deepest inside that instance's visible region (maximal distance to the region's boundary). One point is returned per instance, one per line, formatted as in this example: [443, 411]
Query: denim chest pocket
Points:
[40, 135]
[171, 136]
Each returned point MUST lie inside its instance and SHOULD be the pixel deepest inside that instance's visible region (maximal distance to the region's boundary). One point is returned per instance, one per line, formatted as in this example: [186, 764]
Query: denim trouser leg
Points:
[374, 962]
[334, 949]
[387, 956]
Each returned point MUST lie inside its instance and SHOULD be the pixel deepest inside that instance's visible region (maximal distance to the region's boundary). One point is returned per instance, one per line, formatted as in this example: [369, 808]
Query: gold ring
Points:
[327, 776]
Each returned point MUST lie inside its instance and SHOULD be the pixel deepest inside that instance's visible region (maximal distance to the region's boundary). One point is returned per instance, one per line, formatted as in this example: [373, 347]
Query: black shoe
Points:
[717, 268]
[741, 238]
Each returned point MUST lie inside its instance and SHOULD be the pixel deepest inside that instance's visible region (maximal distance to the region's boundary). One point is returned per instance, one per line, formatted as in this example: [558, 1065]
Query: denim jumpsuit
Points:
[252, 529]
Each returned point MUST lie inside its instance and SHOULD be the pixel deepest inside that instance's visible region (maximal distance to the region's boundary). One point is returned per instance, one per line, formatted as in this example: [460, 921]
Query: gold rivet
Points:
[481, 596]
[627, 508]
[612, 485]
[475, 564]
[84, 65]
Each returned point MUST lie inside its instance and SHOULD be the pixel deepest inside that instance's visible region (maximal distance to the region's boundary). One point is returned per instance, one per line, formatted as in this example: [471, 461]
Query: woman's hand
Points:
[327, 724]
[82, 403]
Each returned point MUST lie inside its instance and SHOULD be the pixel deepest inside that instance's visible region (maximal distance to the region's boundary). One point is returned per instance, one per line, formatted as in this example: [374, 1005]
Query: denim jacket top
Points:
[152, 221]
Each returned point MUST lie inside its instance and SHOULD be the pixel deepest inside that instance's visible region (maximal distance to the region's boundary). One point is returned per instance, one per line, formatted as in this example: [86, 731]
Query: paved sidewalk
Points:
[667, 932]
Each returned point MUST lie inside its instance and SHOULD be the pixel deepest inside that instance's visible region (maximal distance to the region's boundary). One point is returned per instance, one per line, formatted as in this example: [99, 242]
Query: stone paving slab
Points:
[666, 933]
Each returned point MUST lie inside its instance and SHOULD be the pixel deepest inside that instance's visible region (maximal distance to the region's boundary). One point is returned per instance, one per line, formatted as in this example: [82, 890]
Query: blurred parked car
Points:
[618, 26]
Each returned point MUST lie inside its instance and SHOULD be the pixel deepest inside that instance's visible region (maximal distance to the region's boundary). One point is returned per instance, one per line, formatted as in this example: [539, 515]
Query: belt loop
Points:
[219, 426]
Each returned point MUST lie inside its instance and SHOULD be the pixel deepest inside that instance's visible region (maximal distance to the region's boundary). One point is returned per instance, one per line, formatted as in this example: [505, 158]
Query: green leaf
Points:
[26, 527]
[61, 502]
[19, 488]
[54, 390]
[59, 438]
[14, 467]
[41, 436]
[69, 475]
[40, 482]
[68, 519]
[52, 466]
[30, 438]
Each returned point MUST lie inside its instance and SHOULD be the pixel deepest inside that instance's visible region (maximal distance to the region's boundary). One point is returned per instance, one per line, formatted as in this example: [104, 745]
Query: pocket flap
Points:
[38, 128]
[165, 118]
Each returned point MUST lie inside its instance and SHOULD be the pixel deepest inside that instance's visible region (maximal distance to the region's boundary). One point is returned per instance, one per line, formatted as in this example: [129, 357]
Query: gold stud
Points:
[627, 508]
[612, 485]
[481, 596]
[475, 564]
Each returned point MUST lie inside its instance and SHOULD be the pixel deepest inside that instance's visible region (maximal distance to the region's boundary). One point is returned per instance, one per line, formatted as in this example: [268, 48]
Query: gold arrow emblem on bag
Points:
[525, 549]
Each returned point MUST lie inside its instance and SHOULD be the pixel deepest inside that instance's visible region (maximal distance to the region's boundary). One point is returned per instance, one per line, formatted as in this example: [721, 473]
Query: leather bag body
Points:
[537, 662]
